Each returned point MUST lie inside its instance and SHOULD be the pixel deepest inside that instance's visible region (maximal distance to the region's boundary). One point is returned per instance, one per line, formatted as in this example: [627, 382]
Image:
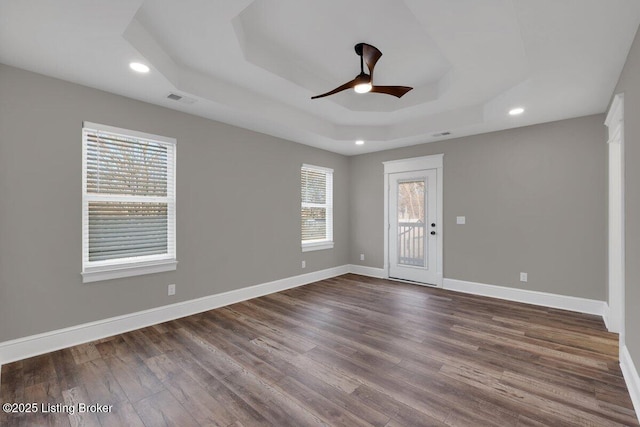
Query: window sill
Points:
[127, 270]
[308, 247]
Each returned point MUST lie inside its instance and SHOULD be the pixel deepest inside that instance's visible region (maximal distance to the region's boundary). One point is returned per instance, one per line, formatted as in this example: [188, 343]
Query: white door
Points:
[413, 227]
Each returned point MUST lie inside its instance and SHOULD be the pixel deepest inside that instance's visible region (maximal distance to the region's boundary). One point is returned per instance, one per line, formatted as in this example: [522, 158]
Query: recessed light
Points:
[516, 111]
[140, 68]
[359, 142]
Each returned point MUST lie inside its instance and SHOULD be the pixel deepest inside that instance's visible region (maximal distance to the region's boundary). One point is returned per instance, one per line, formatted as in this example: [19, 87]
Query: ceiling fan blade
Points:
[345, 86]
[397, 91]
[370, 54]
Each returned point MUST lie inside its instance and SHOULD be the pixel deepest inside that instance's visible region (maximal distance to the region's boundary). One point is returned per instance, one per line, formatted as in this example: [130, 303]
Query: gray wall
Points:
[238, 206]
[629, 84]
[534, 198]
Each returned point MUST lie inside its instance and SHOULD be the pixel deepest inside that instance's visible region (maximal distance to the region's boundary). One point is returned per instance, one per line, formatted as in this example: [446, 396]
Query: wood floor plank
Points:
[270, 401]
[341, 398]
[338, 380]
[347, 351]
[240, 410]
[163, 410]
[73, 398]
[47, 393]
[122, 414]
[400, 391]
[134, 377]
[84, 353]
[206, 409]
[38, 369]
[400, 413]
[330, 412]
[104, 389]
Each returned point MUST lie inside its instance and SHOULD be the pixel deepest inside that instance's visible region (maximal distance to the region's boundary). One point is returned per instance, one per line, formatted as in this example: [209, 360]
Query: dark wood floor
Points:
[349, 351]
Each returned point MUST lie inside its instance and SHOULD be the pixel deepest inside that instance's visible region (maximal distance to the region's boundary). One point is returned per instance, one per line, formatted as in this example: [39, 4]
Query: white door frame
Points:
[616, 252]
[408, 165]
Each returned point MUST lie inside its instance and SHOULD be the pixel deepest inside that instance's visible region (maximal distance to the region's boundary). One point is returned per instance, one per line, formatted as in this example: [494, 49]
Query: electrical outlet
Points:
[523, 277]
[361, 257]
[461, 220]
[304, 264]
[171, 290]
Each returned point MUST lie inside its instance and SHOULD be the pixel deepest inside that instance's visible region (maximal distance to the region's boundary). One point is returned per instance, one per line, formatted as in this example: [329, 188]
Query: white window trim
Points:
[95, 274]
[134, 266]
[320, 244]
[316, 245]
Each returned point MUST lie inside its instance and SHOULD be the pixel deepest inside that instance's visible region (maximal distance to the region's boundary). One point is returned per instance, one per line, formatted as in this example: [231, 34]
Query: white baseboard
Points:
[367, 271]
[605, 316]
[581, 305]
[631, 377]
[22, 348]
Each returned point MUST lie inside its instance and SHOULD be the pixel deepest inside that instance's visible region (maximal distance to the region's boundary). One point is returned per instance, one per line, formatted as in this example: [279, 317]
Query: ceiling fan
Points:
[363, 82]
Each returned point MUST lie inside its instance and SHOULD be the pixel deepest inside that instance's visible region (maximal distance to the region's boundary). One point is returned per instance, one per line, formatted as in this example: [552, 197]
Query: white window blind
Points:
[129, 204]
[317, 207]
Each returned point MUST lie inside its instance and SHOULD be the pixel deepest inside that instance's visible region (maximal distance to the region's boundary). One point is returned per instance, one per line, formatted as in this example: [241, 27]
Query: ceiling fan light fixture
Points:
[362, 83]
[362, 88]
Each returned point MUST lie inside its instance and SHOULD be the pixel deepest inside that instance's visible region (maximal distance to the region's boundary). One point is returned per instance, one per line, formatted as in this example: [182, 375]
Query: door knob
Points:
[433, 233]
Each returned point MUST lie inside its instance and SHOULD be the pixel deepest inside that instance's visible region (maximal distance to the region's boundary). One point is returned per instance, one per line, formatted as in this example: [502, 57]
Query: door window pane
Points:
[411, 223]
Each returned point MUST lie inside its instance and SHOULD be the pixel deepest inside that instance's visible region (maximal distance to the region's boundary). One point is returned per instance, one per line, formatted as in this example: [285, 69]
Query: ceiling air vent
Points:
[438, 135]
[180, 98]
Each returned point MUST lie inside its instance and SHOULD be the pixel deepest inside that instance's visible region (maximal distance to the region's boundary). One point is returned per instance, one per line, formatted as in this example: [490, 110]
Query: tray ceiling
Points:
[256, 64]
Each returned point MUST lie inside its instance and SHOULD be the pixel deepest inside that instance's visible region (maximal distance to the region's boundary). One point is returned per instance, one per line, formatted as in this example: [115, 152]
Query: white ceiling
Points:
[256, 63]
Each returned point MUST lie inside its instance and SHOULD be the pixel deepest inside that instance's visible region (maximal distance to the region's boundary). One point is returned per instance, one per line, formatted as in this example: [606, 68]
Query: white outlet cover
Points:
[304, 264]
[461, 220]
[523, 277]
[171, 290]
[361, 257]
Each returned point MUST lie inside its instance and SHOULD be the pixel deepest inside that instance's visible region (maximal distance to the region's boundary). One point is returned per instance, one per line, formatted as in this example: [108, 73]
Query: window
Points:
[317, 208]
[128, 203]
